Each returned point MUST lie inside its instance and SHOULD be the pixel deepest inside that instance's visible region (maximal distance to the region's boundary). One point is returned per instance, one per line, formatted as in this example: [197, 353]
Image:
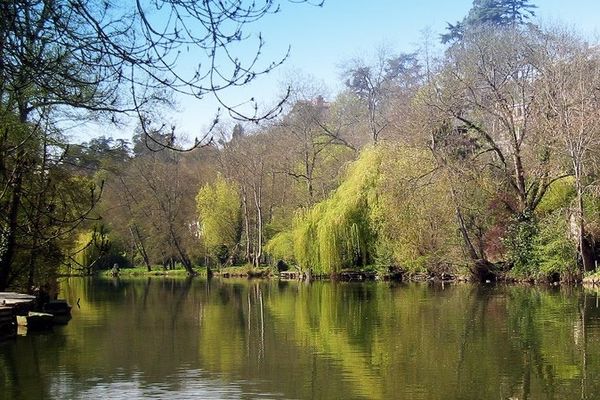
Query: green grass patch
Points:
[156, 271]
[245, 270]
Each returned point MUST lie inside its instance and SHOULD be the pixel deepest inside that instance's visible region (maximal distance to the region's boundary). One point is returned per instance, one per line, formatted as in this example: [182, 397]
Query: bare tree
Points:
[96, 56]
[569, 80]
[309, 139]
[488, 89]
[246, 160]
[377, 83]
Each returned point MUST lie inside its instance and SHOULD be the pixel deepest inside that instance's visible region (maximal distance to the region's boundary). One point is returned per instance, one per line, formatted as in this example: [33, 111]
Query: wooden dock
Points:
[21, 303]
[346, 276]
[291, 275]
[356, 276]
[18, 309]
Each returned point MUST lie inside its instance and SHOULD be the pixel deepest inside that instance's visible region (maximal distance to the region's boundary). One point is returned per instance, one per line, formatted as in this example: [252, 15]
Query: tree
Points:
[42, 201]
[310, 140]
[376, 84]
[97, 56]
[337, 232]
[122, 207]
[92, 59]
[101, 153]
[490, 13]
[488, 89]
[150, 204]
[569, 80]
[144, 193]
[94, 250]
[246, 161]
[219, 212]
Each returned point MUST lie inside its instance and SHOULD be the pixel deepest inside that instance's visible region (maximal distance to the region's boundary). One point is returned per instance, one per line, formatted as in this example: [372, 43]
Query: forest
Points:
[474, 154]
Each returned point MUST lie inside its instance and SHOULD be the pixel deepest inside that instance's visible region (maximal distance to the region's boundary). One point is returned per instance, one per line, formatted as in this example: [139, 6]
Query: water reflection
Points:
[157, 338]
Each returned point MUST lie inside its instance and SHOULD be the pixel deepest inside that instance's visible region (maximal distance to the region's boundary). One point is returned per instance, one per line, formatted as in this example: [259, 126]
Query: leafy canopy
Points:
[498, 13]
[219, 207]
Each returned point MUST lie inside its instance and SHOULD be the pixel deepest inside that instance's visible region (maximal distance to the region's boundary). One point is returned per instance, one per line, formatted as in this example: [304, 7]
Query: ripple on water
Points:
[184, 384]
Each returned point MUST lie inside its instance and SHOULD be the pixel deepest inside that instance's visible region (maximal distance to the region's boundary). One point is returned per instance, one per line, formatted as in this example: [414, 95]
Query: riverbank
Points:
[267, 272]
[374, 274]
[143, 271]
[243, 271]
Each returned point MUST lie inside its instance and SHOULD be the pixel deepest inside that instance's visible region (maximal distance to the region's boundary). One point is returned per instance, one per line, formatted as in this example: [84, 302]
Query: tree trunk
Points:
[11, 238]
[463, 226]
[586, 254]
[259, 227]
[31, 272]
[309, 177]
[246, 225]
[185, 260]
[139, 244]
[520, 179]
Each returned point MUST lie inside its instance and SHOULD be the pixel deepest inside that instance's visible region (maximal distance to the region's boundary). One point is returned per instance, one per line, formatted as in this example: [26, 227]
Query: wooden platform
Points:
[36, 320]
[291, 275]
[21, 303]
[357, 276]
[17, 311]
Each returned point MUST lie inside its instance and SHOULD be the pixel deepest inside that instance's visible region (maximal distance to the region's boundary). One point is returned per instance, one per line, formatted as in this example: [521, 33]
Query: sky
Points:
[323, 38]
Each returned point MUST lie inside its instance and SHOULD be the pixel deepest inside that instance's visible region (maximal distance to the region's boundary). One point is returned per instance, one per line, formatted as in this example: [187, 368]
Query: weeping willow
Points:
[93, 249]
[392, 208]
[281, 246]
[336, 233]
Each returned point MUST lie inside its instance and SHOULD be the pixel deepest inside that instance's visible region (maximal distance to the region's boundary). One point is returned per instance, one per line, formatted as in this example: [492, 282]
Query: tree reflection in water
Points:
[153, 337]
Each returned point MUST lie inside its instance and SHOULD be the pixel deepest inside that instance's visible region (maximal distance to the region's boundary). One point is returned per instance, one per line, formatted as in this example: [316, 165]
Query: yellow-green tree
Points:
[337, 232]
[219, 212]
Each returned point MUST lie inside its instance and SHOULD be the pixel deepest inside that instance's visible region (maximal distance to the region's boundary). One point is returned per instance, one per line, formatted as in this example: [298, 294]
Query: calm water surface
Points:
[182, 339]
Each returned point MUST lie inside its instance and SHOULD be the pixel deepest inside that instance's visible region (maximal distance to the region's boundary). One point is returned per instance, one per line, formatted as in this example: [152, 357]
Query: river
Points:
[238, 339]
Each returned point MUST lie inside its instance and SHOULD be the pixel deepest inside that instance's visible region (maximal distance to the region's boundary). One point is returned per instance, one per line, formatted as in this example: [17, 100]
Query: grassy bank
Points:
[158, 271]
[247, 271]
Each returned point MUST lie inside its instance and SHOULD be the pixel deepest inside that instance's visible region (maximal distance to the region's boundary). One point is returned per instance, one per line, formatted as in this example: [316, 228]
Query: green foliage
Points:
[94, 249]
[281, 246]
[42, 204]
[85, 249]
[540, 244]
[519, 241]
[553, 248]
[219, 212]
[539, 248]
[377, 215]
[221, 252]
[591, 204]
[559, 195]
[102, 153]
[414, 233]
[337, 232]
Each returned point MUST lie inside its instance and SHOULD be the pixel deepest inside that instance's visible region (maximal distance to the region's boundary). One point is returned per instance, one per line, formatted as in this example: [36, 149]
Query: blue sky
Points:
[322, 38]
